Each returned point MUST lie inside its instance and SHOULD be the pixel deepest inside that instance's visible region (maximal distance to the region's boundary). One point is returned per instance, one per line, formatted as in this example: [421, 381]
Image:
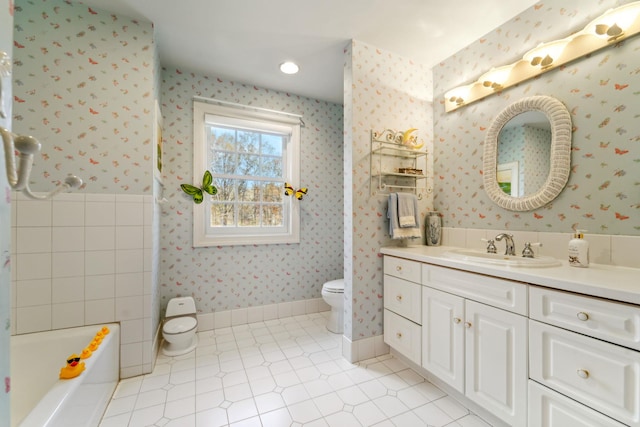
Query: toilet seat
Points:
[179, 325]
[334, 286]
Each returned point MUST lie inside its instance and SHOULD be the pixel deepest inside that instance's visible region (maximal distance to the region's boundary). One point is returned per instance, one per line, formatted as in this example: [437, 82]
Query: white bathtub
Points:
[39, 398]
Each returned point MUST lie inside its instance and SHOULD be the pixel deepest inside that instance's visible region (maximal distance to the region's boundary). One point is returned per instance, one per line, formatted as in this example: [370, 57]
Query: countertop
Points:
[605, 281]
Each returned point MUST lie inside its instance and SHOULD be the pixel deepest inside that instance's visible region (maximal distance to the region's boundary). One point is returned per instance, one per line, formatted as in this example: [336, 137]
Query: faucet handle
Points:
[528, 252]
[491, 246]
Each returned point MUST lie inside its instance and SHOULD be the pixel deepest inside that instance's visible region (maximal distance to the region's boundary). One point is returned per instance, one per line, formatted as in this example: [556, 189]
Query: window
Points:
[250, 154]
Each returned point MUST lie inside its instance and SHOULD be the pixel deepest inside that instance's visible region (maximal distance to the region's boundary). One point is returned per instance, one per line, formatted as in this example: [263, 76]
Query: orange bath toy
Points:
[73, 369]
[93, 346]
[86, 353]
[105, 330]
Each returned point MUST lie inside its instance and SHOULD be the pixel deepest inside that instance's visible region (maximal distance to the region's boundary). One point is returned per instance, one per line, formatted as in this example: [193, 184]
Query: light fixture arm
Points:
[18, 177]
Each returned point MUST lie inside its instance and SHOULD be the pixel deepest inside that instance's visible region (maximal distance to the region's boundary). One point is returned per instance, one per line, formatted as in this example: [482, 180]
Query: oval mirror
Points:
[527, 153]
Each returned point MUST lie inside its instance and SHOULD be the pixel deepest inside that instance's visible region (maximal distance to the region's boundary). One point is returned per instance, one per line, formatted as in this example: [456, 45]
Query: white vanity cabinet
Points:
[601, 374]
[402, 306]
[476, 348]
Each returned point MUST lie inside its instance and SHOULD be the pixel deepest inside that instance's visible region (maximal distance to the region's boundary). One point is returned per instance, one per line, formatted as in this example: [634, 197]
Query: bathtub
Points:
[39, 398]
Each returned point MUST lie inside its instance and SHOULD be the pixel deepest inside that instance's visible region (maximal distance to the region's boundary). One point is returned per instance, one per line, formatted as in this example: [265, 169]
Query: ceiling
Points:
[246, 40]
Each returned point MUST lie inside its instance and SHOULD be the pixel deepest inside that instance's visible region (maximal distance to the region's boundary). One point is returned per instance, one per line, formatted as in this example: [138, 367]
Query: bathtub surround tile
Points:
[100, 286]
[68, 212]
[68, 239]
[67, 289]
[99, 311]
[33, 213]
[31, 240]
[33, 266]
[68, 264]
[100, 213]
[67, 315]
[32, 292]
[231, 379]
[129, 213]
[33, 319]
[129, 237]
[99, 262]
[129, 284]
[100, 238]
[129, 260]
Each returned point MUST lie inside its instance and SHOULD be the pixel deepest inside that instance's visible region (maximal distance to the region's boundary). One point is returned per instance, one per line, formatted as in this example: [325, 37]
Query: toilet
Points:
[179, 328]
[333, 294]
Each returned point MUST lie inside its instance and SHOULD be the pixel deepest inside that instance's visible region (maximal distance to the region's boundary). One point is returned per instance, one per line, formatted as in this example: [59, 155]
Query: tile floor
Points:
[285, 372]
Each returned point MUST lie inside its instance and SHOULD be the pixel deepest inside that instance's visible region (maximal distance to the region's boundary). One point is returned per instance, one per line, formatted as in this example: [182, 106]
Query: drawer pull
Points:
[457, 320]
[583, 373]
[467, 325]
[583, 316]
[399, 335]
[399, 298]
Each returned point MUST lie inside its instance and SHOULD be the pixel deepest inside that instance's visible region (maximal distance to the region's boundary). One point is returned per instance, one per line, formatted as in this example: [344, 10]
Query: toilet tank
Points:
[180, 306]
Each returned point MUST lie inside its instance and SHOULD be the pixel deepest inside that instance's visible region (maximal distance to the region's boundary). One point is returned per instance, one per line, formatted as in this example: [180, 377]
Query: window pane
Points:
[222, 215]
[223, 162]
[248, 164]
[226, 189]
[272, 192]
[272, 215]
[249, 191]
[248, 215]
[272, 144]
[248, 142]
[271, 167]
[221, 138]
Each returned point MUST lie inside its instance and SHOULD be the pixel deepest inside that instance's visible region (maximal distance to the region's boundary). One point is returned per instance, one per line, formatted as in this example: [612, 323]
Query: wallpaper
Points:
[600, 91]
[385, 91]
[6, 38]
[230, 277]
[531, 148]
[84, 87]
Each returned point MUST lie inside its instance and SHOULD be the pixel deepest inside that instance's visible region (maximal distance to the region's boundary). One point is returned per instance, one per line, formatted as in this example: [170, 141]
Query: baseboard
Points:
[366, 348]
[243, 316]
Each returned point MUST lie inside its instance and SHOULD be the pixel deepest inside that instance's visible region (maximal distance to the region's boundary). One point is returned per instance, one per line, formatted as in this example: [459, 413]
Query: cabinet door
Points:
[443, 336]
[496, 361]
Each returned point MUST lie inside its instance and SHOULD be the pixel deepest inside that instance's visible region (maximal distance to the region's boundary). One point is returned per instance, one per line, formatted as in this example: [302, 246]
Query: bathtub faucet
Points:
[510, 247]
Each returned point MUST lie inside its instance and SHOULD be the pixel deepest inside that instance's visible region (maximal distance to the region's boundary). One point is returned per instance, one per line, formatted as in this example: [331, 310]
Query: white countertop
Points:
[605, 281]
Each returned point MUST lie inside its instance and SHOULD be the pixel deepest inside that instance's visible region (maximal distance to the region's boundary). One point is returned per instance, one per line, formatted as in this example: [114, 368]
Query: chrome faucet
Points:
[510, 247]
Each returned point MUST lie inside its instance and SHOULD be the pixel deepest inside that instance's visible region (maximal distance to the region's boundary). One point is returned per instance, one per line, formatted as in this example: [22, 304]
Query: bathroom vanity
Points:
[531, 346]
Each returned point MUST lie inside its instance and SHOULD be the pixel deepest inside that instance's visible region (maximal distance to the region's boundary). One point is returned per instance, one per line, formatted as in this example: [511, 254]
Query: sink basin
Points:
[498, 259]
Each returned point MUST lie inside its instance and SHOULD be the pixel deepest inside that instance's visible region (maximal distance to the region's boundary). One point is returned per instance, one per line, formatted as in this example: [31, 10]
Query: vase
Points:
[434, 229]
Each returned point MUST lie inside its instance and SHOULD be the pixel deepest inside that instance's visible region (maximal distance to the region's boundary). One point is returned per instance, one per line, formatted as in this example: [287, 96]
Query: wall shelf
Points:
[389, 158]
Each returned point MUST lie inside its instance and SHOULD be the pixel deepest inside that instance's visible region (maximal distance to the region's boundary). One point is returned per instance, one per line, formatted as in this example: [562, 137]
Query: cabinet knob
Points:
[398, 335]
[583, 373]
[457, 320]
[583, 316]
[398, 268]
[399, 298]
[467, 325]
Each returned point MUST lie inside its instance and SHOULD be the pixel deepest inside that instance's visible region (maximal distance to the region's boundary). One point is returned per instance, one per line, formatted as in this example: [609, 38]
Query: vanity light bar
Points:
[611, 27]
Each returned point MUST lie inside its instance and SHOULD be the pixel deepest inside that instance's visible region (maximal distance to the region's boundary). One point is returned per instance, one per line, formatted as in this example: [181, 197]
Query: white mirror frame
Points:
[560, 120]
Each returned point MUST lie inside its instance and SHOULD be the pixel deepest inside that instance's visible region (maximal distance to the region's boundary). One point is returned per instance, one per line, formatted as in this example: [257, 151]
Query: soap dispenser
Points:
[578, 250]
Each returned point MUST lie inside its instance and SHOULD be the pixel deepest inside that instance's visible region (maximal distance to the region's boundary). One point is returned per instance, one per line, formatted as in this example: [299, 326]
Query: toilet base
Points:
[171, 350]
[335, 321]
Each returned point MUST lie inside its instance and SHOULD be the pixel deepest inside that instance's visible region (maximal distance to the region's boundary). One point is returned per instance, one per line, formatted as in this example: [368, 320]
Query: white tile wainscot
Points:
[553, 332]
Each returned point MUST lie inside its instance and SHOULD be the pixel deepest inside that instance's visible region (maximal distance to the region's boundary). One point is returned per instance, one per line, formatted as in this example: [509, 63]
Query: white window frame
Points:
[204, 235]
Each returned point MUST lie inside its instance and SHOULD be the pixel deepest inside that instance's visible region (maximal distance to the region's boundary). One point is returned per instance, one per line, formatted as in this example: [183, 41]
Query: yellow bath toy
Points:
[73, 369]
[99, 335]
[105, 330]
[93, 346]
[86, 353]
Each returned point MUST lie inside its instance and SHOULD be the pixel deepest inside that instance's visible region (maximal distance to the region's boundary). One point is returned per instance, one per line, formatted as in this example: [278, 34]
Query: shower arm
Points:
[27, 147]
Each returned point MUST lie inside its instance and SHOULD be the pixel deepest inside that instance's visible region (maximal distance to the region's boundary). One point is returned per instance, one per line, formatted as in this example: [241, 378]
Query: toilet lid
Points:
[334, 286]
[179, 325]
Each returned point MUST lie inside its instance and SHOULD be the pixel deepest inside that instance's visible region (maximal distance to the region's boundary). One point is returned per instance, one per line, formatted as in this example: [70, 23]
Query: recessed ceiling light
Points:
[289, 67]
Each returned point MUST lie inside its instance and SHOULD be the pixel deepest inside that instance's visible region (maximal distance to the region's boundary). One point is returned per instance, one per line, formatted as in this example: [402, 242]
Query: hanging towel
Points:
[395, 231]
[407, 209]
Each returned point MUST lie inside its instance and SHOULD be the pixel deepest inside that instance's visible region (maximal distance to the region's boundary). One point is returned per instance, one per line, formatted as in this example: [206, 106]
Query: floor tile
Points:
[281, 372]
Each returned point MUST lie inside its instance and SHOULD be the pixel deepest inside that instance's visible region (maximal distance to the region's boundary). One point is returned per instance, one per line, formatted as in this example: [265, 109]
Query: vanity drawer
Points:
[603, 376]
[402, 268]
[607, 320]
[403, 335]
[500, 293]
[550, 409]
[403, 298]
